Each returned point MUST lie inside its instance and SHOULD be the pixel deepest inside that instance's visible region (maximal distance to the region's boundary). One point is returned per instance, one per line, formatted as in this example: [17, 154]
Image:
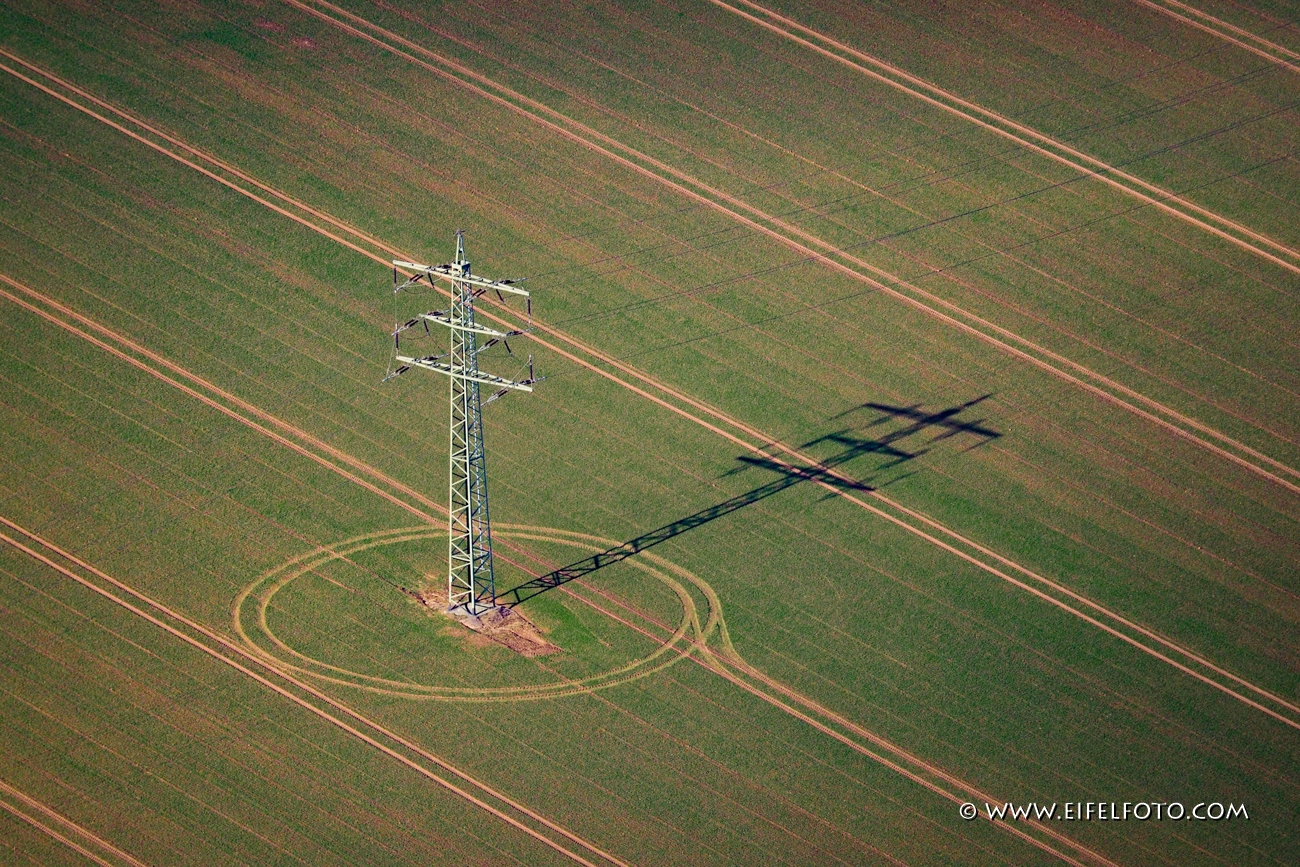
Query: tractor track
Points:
[59, 827]
[877, 749]
[1101, 386]
[1217, 27]
[1055, 364]
[812, 713]
[1024, 136]
[383, 739]
[883, 507]
[338, 454]
[923, 771]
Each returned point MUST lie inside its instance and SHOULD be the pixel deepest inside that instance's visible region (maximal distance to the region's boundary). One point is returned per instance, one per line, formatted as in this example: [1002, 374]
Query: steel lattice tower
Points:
[470, 583]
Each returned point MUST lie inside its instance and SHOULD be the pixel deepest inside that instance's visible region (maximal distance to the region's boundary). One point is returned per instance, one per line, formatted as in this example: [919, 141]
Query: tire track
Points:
[758, 450]
[1219, 25]
[990, 250]
[1048, 147]
[87, 836]
[882, 193]
[968, 792]
[231, 647]
[197, 395]
[817, 709]
[874, 739]
[921, 776]
[727, 663]
[1178, 426]
[928, 303]
[1035, 844]
[765, 441]
[701, 632]
[260, 592]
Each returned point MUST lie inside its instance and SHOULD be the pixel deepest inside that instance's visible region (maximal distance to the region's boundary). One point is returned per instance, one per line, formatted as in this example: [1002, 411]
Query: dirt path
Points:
[227, 646]
[764, 443]
[1118, 395]
[118, 857]
[735, 424]
[921, 771]
[1216, 26]
[1054, 150]
[250, 610]
[1101, 386]
[720, 665]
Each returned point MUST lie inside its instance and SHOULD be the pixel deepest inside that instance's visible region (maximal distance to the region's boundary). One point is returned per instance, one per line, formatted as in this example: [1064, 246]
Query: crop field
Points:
[926, 377]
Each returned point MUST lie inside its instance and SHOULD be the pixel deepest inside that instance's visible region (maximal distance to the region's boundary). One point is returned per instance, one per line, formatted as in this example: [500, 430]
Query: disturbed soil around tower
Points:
[505, 626]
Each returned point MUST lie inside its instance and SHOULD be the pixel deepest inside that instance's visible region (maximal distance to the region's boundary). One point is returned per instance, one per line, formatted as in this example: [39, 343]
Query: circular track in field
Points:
[251, 623]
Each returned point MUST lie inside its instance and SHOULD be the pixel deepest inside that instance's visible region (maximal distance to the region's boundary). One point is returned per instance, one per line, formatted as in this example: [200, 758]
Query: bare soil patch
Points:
[504, 626]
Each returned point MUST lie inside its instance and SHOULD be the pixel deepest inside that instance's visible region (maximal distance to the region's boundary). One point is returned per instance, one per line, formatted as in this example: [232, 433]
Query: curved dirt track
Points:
[228, 646]
[954, 542]
[760, 448]
[688, 633]
[921, 772]
[364, 470]
[921, 768]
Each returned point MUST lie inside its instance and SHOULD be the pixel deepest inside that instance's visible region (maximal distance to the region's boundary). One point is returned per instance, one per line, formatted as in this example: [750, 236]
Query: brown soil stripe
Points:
[67, 824]
[926, 302]
[968, 792]
[363, 467]
[1160, 198]
[837, 720]
[1220, 25]
[229, 646]
[920, 776]
[764, 440]
[918, 303]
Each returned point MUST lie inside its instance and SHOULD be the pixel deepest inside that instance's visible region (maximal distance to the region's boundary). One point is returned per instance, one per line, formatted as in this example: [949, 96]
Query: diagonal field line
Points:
[259, 413]
[53, 834]
[720, 667]
[1010, 129]
[588, 138]
[363, 467]
[769, 441]
[716, 667]
[1077, 597]
[723, 670]
[234, 647]
[920, 305]
[1254, 49]
[112, 350]
[67, 824]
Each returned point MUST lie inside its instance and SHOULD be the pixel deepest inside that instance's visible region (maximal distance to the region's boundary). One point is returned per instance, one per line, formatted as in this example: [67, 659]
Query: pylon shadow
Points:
[921, 420]
[789, 474]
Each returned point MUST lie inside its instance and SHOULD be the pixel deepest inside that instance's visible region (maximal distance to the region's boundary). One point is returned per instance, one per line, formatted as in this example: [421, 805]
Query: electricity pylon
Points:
[471, 587]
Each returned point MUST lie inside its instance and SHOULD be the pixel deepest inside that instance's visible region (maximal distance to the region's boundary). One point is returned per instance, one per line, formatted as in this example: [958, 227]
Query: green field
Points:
[1007, 294]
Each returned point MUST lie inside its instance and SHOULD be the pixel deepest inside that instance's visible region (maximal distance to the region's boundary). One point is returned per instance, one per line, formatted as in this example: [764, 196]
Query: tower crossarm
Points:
[430, 363]
[471, 582]
[454, 272]
[461, 326]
